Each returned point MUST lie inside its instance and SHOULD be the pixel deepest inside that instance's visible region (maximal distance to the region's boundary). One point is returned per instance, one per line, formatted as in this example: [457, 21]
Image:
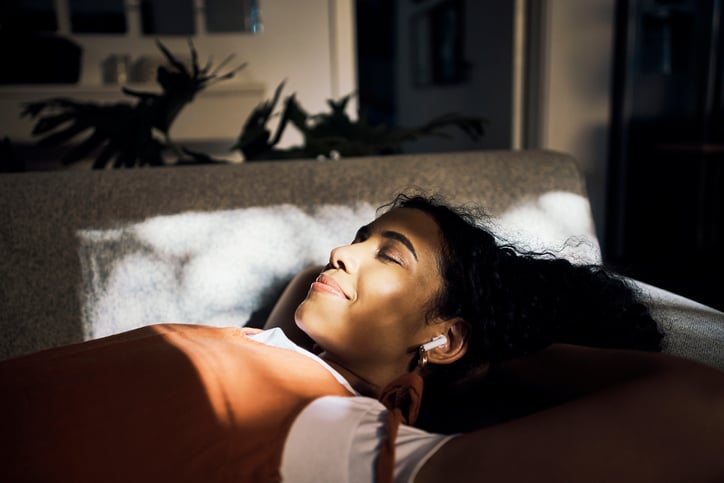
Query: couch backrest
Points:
[52, 222]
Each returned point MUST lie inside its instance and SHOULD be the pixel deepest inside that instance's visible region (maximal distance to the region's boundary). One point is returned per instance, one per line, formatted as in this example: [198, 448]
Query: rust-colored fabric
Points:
[402, 398]
[174, 403]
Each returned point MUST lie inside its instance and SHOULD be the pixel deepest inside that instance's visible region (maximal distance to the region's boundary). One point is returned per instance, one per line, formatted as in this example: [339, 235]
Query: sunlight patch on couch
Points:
[195, 267]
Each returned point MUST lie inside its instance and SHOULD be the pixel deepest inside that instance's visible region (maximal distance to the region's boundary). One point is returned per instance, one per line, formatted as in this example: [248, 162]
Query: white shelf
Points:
[217, 113]
[114, 90]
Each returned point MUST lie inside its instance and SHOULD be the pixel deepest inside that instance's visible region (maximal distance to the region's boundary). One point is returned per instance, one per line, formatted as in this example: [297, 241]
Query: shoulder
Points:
[341, 438]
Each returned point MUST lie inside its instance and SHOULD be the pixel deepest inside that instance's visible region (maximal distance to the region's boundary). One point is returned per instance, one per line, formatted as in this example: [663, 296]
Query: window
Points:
[97, 16]
[233, 16]
[28, 16]
[154, 17]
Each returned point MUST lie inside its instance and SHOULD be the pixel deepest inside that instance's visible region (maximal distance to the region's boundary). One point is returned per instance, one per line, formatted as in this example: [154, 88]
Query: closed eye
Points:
[384, 252]
[386, 257]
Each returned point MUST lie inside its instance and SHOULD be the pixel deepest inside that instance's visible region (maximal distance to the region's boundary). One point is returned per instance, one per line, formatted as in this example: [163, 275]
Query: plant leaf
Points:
[171, 59]
[48, 123]
[63, 135]
[84, 148]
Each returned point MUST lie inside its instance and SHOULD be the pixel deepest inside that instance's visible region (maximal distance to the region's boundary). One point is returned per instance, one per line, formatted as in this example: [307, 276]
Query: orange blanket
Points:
[162, 403]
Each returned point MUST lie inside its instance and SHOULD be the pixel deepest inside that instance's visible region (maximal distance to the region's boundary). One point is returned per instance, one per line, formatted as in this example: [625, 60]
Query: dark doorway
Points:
[666, 194]
[419, 59]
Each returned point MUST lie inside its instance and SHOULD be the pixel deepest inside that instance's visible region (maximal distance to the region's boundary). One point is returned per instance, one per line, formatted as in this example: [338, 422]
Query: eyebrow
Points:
[394, 235]
[365, 231]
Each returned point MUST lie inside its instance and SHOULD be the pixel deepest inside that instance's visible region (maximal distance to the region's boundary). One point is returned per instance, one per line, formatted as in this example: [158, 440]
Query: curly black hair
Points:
[518, 303]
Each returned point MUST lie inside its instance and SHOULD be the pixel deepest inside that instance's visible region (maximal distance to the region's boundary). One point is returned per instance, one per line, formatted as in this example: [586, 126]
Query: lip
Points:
[327, 284]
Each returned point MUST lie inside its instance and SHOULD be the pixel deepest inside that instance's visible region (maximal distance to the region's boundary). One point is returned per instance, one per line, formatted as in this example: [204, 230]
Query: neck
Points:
[361, 384]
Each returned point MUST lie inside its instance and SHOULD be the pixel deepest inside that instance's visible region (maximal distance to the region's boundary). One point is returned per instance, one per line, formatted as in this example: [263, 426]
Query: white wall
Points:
[577, 80]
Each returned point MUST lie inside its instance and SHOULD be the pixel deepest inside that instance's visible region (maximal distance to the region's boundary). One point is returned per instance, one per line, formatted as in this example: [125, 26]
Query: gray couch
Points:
[86, 254]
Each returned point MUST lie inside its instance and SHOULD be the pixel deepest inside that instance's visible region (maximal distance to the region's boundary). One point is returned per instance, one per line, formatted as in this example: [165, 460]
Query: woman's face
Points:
[368, 309]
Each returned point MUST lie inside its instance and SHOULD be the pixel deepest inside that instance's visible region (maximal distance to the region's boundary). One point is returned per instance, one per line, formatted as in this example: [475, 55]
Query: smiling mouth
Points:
[328, 285]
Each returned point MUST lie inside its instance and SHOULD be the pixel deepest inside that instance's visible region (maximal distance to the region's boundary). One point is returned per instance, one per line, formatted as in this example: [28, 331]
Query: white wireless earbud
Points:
[438, 341]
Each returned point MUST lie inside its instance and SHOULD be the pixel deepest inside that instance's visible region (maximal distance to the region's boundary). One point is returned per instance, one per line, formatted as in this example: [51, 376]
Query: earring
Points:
[438, 341]
[421, 358]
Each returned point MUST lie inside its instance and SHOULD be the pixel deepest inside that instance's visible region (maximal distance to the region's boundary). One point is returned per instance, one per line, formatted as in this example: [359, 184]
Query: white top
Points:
[337, 439]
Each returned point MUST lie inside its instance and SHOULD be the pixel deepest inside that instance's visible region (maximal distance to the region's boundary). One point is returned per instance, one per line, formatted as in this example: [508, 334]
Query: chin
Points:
[314, 321]
[305, 315]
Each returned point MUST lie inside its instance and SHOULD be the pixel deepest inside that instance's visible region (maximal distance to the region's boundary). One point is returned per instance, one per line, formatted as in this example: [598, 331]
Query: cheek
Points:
[395, 301]
[394, 314]
[384, 290]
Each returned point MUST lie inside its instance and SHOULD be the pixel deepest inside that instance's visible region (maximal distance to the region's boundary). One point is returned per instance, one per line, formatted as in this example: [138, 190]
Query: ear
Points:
[456, 331]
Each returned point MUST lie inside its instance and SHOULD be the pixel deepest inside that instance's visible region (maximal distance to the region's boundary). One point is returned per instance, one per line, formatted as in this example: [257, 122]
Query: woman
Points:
[423, 270]
[420, 298]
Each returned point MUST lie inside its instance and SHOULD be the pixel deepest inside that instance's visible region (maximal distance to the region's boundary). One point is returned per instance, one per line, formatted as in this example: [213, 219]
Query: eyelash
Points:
[384, 256]
[381, 254]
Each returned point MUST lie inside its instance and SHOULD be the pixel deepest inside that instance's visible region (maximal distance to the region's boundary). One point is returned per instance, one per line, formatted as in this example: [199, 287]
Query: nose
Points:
[344, 258]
